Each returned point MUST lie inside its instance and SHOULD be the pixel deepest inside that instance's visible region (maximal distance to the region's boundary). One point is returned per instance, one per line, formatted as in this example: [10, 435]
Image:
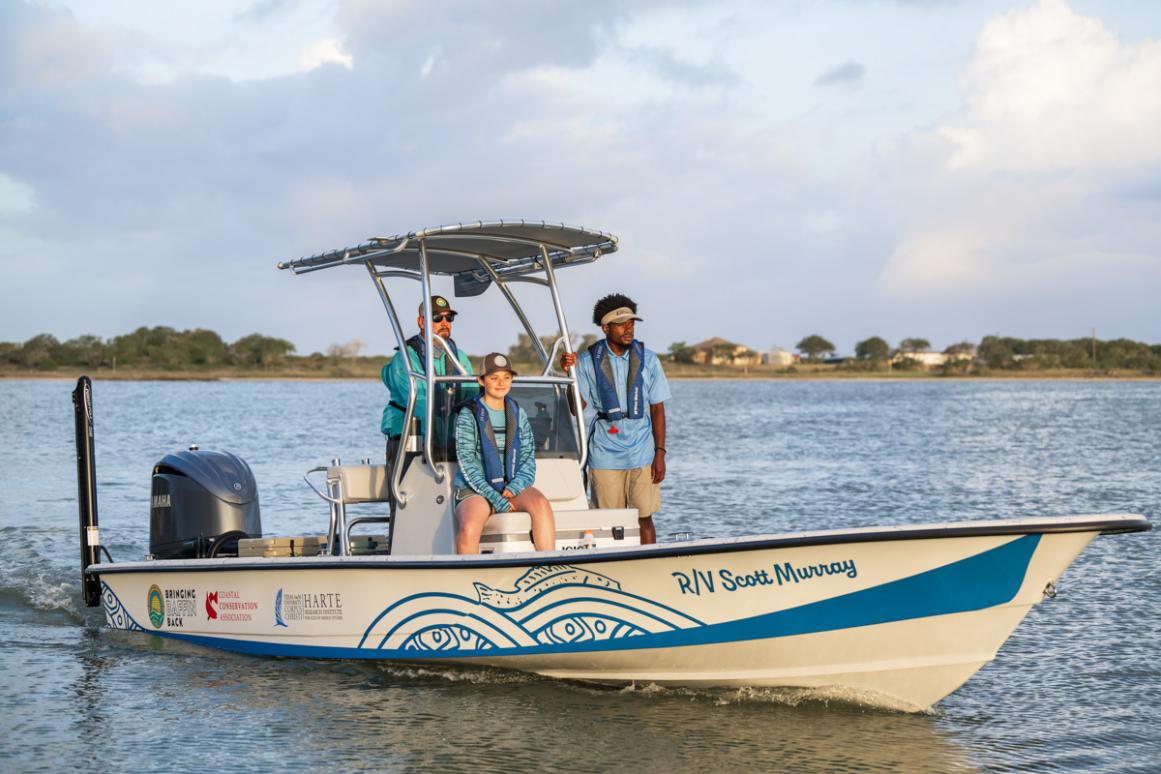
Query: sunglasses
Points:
[438, 318]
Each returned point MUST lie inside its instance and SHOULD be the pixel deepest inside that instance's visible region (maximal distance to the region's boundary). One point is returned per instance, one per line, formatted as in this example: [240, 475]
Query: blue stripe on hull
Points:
[985, 580]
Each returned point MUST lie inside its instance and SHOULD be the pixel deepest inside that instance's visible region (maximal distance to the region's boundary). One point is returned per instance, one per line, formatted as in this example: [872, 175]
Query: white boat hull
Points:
[897, 617]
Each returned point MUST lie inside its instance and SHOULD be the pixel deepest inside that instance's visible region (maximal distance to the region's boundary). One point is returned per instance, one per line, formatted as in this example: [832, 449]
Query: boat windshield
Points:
[546, 406]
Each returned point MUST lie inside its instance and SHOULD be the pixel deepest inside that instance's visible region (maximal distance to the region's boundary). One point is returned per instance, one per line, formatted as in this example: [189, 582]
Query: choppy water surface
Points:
[1077, 687]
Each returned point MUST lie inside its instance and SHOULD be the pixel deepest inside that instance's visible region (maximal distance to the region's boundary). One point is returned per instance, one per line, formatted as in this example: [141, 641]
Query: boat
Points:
[898, 616]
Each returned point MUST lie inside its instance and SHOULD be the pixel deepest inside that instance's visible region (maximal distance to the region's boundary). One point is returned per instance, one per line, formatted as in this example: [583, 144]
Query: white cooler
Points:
[508, 533]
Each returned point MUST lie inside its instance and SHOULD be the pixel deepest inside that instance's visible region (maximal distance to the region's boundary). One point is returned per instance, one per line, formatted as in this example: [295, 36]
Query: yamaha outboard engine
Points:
[202, 500]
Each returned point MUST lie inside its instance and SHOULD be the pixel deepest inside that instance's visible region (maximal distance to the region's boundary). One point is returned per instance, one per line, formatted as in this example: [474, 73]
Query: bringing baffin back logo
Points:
[156, 606]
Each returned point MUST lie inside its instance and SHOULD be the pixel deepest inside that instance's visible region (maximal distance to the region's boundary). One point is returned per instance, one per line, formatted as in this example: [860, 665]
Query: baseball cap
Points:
[439, 305]
[496, 362]
[619, 315]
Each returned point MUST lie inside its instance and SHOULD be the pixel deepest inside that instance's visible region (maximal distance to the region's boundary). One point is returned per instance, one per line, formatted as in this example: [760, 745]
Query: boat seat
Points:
[575, 530]
[362, 483]
[560, 481]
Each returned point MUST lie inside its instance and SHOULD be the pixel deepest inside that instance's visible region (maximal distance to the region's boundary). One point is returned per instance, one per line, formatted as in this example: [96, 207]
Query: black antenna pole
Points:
[87, 489]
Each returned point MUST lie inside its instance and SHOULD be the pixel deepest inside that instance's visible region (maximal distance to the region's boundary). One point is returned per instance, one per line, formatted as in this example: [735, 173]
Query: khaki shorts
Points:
[627, 489]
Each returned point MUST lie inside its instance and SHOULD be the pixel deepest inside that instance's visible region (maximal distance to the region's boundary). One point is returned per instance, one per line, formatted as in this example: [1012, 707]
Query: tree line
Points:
[159, 348]
[163, 348]
[1002, 352]
[524, 351]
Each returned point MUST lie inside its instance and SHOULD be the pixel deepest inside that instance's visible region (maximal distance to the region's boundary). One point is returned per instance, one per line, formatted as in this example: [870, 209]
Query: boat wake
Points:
[720, 697]
[788, 697]
[459, 674]
[33, 576]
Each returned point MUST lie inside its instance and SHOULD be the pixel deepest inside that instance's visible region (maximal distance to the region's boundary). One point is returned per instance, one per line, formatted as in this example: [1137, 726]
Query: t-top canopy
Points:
[510, 247]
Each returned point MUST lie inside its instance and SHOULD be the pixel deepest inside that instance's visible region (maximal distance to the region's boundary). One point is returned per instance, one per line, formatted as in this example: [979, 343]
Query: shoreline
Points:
[808, 376]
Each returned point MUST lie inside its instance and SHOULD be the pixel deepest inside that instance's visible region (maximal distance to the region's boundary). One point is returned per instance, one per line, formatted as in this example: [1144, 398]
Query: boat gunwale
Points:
[1105, 525]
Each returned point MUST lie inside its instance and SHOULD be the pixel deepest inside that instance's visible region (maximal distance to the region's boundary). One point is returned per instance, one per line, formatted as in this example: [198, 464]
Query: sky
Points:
[943, 169]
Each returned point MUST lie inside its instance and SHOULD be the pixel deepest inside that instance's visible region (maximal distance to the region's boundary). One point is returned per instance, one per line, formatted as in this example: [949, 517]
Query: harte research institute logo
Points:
[156, 606]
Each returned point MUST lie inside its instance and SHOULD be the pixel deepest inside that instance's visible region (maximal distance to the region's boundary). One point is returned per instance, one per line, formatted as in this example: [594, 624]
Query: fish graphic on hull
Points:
[539, 580]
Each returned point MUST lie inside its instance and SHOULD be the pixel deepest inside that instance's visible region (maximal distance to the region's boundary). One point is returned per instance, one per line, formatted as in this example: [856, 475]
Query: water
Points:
[1076, 688]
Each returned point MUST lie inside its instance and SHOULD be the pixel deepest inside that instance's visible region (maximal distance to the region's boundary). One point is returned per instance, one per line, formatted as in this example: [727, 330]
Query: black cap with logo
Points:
[439, 305]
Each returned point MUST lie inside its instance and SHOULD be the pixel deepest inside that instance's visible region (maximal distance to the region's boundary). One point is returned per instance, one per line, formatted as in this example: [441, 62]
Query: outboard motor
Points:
[201, 501]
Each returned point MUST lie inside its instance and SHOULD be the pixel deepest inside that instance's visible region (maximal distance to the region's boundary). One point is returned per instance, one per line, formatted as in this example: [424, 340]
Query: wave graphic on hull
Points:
[549, 605]
[115, 613]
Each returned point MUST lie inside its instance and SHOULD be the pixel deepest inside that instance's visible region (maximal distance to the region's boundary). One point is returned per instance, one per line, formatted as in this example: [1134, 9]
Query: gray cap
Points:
[497, 362]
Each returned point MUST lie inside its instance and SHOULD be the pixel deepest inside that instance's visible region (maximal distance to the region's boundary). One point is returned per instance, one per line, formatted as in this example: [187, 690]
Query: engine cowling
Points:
[197, 497]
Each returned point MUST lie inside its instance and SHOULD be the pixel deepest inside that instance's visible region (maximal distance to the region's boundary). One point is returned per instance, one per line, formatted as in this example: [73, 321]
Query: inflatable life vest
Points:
[417, 343]
[498, 472]
[611, 408]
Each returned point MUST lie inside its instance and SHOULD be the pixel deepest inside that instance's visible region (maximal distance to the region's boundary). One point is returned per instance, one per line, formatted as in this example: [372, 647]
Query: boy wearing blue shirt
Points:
[624, 382]
[497, 462]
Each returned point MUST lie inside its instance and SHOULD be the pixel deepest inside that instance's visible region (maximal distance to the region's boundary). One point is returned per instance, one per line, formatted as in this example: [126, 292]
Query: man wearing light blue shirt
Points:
[624, 382]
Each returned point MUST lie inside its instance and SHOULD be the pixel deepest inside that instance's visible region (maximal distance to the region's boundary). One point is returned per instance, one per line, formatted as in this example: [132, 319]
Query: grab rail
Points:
[552, 355]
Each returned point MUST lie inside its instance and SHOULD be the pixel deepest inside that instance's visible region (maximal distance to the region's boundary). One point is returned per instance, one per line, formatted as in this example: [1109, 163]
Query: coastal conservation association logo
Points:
[230, 605]
[156, 606]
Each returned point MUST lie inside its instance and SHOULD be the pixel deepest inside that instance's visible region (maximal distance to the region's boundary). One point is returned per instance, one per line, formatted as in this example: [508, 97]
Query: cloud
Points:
[1049, 89]
[16, 198]
[849, 75]
[323, 52]
[429, 63]
[221, 178]
[477, 44]
[46, 49]
[1024, 187]
[670, 66]
[263, 10]
[702, 155]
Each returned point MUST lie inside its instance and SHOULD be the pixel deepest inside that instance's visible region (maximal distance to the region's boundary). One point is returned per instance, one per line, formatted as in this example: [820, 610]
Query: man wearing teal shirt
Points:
[394, 374]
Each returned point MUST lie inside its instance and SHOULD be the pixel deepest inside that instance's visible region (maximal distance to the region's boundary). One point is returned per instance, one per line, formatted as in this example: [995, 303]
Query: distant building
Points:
[931, 359]
[718, 351]
[780, 358]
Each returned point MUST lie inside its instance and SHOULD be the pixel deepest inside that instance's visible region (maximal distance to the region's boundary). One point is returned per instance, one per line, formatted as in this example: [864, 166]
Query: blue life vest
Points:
[417, 343]
[498, 472]
[611, 408]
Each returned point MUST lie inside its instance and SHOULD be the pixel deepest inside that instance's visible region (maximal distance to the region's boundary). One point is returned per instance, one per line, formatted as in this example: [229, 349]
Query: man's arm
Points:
[657, 390]
[657, 417]
[397, 381]
[567, 361]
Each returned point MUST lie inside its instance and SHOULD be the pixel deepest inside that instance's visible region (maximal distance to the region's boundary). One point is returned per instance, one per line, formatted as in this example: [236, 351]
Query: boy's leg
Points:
[536, 505]
[471, 515]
